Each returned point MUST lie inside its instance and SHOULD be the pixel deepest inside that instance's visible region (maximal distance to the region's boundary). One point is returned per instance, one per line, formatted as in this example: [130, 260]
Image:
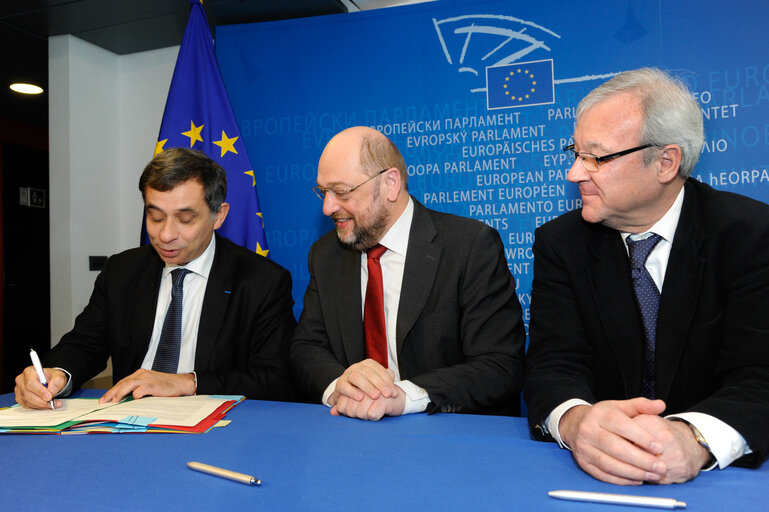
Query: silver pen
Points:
[224, 473]
[618, 499]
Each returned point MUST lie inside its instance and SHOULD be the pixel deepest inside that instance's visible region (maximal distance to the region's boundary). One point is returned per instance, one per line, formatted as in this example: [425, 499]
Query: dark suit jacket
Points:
[712, 345]
[459, 331]
[245, 326]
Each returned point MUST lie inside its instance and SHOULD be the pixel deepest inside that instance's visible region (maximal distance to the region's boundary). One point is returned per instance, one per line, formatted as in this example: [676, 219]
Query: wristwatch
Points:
[701, 441]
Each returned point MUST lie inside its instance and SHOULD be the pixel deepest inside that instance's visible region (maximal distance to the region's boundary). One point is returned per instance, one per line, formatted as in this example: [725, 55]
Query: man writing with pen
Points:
[192, 313]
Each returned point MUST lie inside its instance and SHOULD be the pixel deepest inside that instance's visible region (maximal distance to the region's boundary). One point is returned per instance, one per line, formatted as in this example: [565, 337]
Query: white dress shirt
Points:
[393, 262]
[192, 304]
[726, 444]
[194, 287]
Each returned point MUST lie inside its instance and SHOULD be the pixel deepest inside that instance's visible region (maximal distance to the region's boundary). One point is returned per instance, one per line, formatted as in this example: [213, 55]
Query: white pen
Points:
[618, 499]
[224, 473]
[40, 372]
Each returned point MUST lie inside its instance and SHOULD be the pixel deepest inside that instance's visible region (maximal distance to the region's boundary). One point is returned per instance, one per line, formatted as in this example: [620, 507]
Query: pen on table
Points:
[618, 499]
[40, 372]
[224, 473]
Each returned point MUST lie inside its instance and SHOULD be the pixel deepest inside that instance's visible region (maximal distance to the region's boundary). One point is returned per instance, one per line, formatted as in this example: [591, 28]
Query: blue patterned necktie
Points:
[648, 300]
[167, 356]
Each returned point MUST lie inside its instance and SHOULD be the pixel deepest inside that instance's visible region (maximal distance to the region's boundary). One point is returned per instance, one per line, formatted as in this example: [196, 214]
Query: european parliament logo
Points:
[522, 84]
[474, 42]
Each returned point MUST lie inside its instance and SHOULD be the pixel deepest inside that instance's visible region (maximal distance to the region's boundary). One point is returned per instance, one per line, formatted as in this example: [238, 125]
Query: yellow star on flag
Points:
[261, 217]
[194, 133]
[260, 251]
[226, 144]
[251, 173]
[159, 147]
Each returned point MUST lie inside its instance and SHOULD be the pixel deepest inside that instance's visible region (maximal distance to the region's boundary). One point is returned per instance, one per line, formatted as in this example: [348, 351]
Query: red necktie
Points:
[373, 311]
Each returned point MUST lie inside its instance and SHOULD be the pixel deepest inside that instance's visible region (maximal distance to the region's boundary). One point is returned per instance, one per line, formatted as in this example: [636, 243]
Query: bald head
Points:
[369, 149]
[350, 139]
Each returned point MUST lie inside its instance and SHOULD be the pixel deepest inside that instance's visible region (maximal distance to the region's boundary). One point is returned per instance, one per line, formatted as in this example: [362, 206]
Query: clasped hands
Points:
[33, 395]
[626, 442]
[367, 390]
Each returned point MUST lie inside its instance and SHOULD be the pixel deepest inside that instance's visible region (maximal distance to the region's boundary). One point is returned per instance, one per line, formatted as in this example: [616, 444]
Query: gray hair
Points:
[671, 115]
[377, 152]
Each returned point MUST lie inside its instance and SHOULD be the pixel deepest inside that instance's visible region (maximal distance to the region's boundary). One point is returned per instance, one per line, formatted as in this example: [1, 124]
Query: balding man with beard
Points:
[407, 309]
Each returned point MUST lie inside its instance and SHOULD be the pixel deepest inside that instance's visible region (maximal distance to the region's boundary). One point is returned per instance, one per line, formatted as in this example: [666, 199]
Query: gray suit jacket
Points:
[459, 332]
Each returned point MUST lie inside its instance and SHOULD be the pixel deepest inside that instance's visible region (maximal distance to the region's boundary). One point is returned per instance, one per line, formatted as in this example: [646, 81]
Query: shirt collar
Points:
[397, 237]
[200, 265]
[666, 226]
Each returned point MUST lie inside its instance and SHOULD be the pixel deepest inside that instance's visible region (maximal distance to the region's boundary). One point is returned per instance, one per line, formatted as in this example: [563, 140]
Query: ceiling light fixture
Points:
[26, 88]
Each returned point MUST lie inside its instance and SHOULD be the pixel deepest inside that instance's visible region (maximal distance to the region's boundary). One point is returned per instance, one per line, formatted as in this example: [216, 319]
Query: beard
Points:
[368, 227]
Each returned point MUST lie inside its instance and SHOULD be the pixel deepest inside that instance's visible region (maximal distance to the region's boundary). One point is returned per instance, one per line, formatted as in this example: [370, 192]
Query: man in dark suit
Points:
[235, 306]
[446, 333]
[617, 336]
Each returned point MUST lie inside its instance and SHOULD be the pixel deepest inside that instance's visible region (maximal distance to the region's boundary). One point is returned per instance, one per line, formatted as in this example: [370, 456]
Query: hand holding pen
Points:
[36, 387]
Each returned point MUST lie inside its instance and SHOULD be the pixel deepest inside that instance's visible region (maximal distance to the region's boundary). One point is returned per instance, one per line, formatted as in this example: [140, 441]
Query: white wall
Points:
[144, 81]
[105, 113]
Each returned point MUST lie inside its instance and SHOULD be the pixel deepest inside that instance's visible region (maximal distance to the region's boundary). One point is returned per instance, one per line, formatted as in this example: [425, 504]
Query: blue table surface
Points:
[310, 460]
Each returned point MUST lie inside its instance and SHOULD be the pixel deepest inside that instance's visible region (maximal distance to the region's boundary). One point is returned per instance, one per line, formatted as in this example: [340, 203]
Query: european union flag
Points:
[198, 115]
[522, 84]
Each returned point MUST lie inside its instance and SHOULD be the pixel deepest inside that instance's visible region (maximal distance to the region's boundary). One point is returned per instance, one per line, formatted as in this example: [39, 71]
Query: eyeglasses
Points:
[591, 162]
[340, 193]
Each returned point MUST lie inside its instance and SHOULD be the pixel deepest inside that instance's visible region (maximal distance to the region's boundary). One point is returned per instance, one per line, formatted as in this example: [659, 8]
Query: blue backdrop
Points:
[433, 77]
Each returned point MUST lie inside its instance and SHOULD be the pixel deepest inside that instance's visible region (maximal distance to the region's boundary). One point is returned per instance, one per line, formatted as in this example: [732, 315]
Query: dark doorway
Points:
[26, 300]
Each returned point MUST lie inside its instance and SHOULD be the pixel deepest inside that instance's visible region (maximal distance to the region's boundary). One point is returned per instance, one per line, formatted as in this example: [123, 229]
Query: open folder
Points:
[186, 414]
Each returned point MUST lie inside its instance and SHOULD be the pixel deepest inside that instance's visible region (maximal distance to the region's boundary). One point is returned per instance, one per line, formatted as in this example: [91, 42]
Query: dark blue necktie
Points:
[167, 356]
[648, 300]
